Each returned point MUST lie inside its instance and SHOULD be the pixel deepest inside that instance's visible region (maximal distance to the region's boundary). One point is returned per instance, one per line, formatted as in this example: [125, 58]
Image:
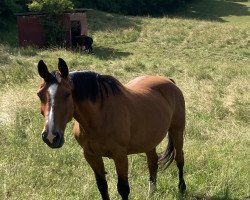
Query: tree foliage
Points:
[133, 7]
[9, 7]
[51, 6]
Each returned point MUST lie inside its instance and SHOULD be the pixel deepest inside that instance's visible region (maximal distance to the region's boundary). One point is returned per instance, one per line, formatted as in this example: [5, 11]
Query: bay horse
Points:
[114, 120]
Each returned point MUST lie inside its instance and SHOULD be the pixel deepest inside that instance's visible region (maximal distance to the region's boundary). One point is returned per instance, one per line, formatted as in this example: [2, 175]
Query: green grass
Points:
[206, 53]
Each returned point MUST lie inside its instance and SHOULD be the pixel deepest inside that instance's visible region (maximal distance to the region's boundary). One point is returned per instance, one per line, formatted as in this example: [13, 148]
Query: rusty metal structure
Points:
[31, 31]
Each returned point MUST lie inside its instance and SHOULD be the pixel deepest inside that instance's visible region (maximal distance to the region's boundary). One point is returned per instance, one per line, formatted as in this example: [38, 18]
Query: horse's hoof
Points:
[182, 187]
[152, 189]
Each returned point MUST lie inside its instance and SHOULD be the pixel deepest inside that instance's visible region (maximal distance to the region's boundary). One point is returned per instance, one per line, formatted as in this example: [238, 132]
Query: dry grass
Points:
[210, 62]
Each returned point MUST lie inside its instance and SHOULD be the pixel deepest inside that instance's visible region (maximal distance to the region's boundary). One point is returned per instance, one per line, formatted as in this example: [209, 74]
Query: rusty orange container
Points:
[31, 31]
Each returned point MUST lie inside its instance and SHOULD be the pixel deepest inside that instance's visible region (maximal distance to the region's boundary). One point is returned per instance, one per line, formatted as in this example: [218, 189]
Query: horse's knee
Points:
[123, 187]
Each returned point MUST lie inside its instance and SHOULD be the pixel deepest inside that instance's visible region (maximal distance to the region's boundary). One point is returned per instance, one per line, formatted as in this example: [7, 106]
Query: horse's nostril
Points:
[58, 140]
[57, 137]
[44, 135]
[53, 140]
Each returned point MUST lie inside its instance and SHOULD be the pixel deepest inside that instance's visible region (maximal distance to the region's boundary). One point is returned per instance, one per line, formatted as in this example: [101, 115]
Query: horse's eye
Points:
[67, 95]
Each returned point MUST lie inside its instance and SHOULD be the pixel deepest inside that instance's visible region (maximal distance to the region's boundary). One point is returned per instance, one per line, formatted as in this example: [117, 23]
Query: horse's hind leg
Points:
[177, 139]
[152, 160]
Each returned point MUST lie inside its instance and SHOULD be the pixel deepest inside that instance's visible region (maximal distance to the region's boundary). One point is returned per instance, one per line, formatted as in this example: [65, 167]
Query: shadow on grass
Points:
[214, 9]
[102, 21]
[106, 53]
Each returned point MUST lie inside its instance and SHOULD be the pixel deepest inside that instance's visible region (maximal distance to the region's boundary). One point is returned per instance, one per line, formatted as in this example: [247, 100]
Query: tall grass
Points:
[209, 60]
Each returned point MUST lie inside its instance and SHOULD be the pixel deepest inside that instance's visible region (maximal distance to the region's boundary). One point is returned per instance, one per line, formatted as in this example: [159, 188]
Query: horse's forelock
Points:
[51, 78]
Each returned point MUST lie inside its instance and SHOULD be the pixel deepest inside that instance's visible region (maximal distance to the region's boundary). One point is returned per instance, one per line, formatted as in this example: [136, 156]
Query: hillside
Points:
[207, 53]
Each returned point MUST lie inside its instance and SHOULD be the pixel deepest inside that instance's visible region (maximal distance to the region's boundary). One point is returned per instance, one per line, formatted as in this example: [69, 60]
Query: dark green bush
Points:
[133, 7]
[8, 8]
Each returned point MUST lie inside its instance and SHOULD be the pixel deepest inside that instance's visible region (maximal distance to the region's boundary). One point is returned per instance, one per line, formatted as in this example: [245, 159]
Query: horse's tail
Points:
[167, 156]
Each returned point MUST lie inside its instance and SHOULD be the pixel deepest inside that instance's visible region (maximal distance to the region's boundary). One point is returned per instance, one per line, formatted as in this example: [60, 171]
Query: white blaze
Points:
[50, 118]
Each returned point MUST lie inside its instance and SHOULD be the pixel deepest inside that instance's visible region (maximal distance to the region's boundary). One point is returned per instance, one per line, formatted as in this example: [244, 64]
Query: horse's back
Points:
[156, 102]
[157, 85]
[148, 82]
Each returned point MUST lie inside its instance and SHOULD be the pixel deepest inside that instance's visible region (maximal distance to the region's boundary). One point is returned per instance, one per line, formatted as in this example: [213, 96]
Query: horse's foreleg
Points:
[121, 164]
[152, 160]
[97, 165]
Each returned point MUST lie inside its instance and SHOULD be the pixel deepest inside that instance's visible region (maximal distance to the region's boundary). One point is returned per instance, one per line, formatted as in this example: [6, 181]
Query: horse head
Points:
[57, 105]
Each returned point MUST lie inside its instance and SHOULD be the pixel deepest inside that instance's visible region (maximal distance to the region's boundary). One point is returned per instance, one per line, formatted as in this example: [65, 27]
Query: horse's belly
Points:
[145, 142]
[150, 130]
[150, 123]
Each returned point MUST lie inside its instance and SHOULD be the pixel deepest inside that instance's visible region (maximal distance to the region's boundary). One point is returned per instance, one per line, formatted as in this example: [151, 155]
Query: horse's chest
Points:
[100, 147]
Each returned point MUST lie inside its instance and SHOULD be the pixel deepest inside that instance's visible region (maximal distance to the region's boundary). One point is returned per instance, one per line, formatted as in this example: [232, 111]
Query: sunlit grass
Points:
[209, 60]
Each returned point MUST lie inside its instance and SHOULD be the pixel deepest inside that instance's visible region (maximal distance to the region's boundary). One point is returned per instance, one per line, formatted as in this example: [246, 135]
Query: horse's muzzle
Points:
[57, 141]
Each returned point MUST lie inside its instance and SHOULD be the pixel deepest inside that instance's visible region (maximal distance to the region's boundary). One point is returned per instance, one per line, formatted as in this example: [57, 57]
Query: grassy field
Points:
[205, 49]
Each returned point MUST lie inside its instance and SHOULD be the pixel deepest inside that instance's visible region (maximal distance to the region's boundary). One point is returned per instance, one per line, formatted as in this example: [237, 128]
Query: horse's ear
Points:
[43, 70]
[63, 68]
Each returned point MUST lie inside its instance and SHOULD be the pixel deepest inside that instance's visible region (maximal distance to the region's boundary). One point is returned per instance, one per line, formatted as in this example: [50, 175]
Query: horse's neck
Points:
[87, 114]
[91, 115]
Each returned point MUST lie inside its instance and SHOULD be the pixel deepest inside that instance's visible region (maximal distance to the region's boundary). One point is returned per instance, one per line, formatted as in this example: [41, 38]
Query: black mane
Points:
[89, 85]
